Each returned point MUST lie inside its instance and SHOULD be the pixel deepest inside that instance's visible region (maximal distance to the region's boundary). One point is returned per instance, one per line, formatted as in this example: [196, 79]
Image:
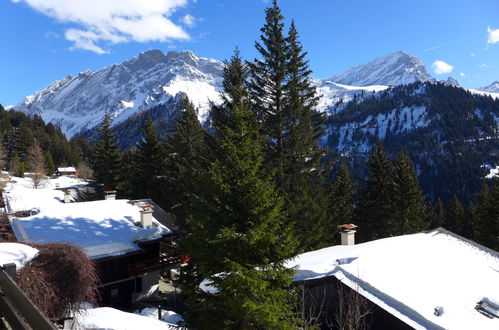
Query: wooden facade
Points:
[321, 300]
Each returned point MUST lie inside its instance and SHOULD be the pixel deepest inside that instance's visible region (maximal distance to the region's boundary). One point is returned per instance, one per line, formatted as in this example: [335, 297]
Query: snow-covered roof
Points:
[20, 195]
[410, 275]
[102, 228]
[66, 169]
[17, 253]
[113, 319]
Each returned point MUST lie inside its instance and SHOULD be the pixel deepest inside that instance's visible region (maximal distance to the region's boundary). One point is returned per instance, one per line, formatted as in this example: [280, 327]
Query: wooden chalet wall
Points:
[323, 292]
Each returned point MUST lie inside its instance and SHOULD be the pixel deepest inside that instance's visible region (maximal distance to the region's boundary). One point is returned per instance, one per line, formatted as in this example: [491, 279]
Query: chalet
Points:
[430, 280]
[122, 236]
[67, 171]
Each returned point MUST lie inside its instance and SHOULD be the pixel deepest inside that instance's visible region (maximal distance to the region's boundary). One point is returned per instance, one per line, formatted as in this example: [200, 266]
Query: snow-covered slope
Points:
[481, 92]
[79, 103]
[393, 69]
[331, 93]
[492, 88]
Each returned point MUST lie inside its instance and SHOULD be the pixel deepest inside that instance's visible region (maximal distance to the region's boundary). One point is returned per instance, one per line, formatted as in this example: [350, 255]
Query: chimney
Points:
[110, 195]
[146, 216]
[67, 196]
[347, 232]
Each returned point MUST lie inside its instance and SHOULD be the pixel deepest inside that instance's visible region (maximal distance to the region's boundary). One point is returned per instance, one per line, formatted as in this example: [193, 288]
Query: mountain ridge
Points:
[78, 103]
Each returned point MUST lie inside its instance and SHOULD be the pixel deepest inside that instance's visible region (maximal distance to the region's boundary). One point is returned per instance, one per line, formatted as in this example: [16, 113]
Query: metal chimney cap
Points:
[347, 227]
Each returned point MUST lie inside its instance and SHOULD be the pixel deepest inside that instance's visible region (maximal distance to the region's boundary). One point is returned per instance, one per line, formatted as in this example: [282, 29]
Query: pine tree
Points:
[284, 100]
[408, 199]
[341, 200]
[185, 164]
[302, 183]
[239, 242]
[3, 157]
[486, 217]
[455, 216]
[375, 214]
[106, 158]
[49, 164]
[438, 214]
[268, 77]
[16, 167]
[148, 164]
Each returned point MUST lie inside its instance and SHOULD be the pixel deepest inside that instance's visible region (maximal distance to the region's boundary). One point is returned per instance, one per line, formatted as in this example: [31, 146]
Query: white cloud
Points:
[440, 67]
[492, 35]
[188, 20]
[472, 54]
[462, 74]
[485, 66]
[113, 21]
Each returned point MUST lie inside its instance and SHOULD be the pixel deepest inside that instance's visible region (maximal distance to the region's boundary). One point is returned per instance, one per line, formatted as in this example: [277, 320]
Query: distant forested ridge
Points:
[448, 132]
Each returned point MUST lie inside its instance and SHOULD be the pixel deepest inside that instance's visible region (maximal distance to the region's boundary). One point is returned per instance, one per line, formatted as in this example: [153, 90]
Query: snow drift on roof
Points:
[113, 319]
[17, 253]
[102, 228]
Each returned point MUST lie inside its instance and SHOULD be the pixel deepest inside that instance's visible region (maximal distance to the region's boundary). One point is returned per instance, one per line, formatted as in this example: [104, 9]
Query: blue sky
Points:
[45, 40]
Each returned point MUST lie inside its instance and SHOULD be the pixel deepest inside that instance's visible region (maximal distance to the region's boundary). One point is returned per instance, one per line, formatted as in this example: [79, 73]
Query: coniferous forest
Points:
[259, 184]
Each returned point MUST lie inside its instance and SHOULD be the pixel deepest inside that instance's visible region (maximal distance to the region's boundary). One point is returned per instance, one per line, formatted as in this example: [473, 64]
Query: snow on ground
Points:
[411, 275]
[102, 228]
[18, 253]
[166, 316]
[479, 92]
[113, 319]
[494, 172]
[21, 195]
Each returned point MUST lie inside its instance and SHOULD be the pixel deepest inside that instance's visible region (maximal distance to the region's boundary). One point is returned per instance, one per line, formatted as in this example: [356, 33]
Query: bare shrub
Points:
[311, 306]
[37, 164]
[36, 285]
[69, 273]
[84, 171]
[352, 309]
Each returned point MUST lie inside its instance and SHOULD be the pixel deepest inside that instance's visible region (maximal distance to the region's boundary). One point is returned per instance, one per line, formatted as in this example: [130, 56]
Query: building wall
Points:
[320, 299]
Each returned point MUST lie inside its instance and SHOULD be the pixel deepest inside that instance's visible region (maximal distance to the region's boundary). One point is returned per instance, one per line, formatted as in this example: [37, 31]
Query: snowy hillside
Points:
[134, 87]
[79, 103]
[331, 93]
[484, 93]
[492, 88]
[393, 69]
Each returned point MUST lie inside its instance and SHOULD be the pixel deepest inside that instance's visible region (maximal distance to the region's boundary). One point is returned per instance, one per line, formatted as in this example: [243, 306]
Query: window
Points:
[115, 293]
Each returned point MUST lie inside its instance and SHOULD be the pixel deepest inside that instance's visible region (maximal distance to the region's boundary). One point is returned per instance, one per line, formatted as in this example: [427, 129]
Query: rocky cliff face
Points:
[151, 78]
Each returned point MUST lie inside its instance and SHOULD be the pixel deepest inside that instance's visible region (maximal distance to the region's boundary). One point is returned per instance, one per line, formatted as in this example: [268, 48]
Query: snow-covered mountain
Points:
[151, 78]
[393, 69]
[492, 88]
[451, 81]
[77, 104]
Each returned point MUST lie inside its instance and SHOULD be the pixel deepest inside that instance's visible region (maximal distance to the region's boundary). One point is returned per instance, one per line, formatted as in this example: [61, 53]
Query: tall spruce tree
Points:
[340, 202]
[285, 99]
[486, 217]
[105, 156]
[268, 80]
[302, 183]
[375, 214]
[239, 242]
[438, 214]
[148, 164]
[454, 215]
[408, 199]
[185, 164]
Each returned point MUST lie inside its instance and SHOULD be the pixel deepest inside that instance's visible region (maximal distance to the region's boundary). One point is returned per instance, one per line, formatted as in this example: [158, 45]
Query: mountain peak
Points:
[392, 69]
[451, 81]
[146, 60]
[492, 88]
